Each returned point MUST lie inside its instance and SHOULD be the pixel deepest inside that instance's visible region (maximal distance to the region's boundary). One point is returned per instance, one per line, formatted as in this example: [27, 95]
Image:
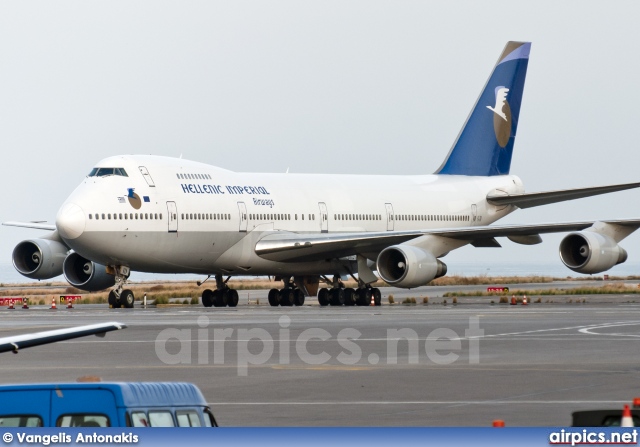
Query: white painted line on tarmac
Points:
[590, 330]
[436, 402]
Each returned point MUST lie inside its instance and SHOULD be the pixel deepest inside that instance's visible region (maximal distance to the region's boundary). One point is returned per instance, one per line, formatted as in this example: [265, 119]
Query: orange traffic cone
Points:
[627, 419]
[524, 300]
[53, 304]
[69, 303]
[513, 300]
[11, 304]
[373, 301]
[25, 303]
[498, 423]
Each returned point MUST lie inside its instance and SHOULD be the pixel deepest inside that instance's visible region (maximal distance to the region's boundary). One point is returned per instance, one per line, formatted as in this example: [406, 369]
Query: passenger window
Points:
[161, 419]
[188, 419]
[83, 420]
[20, 420]
[139, 419]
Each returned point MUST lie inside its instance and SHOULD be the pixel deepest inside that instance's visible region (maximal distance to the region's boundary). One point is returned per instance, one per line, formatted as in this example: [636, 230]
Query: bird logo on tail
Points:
[502, 116]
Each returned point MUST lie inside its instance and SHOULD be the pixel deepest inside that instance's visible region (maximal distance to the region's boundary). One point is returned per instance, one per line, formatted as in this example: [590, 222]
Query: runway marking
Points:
[569, 328]
[610, 325]
[435, 402]
[324, 367]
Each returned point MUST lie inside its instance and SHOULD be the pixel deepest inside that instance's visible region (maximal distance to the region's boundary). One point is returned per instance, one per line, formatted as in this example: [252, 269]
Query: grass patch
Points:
[605, 289]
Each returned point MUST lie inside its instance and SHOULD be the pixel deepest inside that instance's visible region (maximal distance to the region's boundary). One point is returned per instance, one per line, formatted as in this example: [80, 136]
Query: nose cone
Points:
[70, 221]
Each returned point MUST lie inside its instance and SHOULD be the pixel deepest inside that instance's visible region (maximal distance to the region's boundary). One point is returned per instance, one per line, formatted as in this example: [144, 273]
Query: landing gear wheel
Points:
[233, 298]
[337, 297]
[349, 297]
[298, 297]
[364, 297]
[377, 296]
[323, 297]
[286, 297]
[207, 298]
[274, 297]
[113, 301]
[220, 298]
[127, 299]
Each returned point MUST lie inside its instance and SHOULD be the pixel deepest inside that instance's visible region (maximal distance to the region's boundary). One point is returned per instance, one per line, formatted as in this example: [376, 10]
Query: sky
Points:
[378, 87]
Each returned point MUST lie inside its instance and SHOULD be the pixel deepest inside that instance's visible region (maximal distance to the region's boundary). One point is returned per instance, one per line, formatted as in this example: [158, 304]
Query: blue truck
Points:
[102, 404]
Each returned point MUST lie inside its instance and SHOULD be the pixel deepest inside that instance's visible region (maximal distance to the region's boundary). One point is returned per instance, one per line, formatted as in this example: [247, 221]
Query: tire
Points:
[323, 297]
[337, 297]
[113, 301]
[233, 298]
[274, 297]
[207, 298]
[286, 297]
[377, 296]
[298, 297]
[127, 299]
[364, 297]
[349, 297]
[220, 298]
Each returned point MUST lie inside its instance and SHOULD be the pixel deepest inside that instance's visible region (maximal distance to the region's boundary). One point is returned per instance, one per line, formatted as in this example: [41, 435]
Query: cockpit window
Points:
[103, 172]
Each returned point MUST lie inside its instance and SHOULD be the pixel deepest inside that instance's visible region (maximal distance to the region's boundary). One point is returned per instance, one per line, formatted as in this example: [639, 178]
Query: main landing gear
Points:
[288, 296]
[339, 295]
[220, 297]
[121, 297]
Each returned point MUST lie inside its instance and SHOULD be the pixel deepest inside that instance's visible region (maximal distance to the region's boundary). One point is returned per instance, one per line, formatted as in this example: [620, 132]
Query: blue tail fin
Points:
[485, 143]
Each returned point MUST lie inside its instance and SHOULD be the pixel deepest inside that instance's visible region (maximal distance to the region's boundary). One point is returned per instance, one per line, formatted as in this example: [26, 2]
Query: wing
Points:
[293, 247]
[17, 342]
[36, 225]
[530, 200]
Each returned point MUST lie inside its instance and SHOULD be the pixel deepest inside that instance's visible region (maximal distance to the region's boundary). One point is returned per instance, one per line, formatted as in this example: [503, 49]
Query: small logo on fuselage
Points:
[501, 116]
[134, 199]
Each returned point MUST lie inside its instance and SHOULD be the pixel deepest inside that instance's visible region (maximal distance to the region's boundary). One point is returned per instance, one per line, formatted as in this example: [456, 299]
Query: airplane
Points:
[15, 343]
[166, 215]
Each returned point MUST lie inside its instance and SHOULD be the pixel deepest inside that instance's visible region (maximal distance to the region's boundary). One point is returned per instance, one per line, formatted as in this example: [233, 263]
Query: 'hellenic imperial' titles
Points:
[192, 188]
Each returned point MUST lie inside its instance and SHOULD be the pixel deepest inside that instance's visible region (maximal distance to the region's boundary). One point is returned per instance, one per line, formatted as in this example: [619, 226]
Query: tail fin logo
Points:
[501, 116]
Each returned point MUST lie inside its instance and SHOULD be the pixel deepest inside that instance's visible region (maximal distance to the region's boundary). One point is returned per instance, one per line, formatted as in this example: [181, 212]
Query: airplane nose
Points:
[70, 221]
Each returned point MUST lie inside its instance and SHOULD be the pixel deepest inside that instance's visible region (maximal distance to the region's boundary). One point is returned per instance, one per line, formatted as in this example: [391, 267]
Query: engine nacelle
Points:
[590, 252]
[85, 274]
[39, 258]
[407, 266]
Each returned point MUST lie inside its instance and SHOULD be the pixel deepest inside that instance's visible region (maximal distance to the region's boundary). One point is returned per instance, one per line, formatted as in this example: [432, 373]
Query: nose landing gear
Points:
[121, 297]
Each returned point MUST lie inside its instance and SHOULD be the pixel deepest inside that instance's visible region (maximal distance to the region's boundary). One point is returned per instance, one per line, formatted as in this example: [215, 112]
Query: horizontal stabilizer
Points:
[529, 200]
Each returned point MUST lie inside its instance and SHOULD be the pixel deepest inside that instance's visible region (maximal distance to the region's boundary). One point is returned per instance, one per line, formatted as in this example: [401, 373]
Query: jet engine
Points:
[590, 252]
[85, 274]
[407, 266]
[39, 258]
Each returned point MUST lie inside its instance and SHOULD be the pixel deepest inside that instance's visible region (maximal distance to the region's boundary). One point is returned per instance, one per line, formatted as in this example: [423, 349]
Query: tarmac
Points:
[394, 365]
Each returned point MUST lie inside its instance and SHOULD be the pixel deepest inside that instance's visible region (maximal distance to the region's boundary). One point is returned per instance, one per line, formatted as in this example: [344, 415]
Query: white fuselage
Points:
[189, 217]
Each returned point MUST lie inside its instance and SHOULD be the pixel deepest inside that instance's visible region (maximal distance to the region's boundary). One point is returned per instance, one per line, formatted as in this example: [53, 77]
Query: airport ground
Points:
[535, 365]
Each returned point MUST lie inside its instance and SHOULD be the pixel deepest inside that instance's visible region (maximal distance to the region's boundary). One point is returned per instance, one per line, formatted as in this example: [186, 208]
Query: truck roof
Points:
[129, 394]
